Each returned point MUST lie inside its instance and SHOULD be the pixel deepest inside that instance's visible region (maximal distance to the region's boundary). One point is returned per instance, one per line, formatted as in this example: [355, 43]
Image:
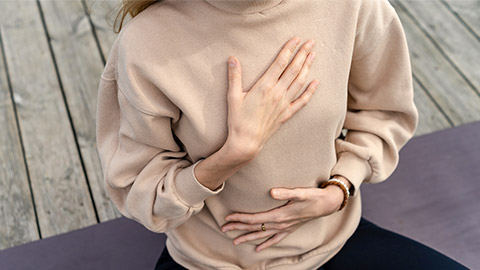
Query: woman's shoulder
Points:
[374, 8]
[151, 29]
[160, 16]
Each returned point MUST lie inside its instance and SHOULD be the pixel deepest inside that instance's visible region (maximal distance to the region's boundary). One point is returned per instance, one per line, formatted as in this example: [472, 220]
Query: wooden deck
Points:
[53, 52]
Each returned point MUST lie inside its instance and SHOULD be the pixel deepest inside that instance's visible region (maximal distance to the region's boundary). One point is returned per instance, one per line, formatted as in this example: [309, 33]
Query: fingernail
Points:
[310, 43]
[296, 40]
[231, 63]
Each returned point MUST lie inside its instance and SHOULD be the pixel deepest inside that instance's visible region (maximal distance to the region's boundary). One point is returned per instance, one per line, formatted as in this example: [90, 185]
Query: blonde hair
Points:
[132, 8]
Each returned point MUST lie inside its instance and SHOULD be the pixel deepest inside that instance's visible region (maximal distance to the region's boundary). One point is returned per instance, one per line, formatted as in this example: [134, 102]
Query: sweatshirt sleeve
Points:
[146, 173]
[381, 115]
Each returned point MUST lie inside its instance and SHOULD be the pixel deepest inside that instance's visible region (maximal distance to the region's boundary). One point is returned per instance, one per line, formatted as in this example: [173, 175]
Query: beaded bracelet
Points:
[342, 185]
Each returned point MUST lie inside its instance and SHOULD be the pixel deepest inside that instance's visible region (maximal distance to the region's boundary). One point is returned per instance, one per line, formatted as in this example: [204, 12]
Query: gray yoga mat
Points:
[119, 244]
[430, 197]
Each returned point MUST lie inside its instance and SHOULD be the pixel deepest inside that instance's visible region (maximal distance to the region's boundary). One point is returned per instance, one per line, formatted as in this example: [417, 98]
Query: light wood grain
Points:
[59, 187]
[468, 11]
[18, 223]
[443, 82]
[79, 64]
[102, 14]
[451, 37]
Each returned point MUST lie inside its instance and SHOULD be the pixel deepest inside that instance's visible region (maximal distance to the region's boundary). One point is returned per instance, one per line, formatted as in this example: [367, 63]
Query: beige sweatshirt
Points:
[162, 108]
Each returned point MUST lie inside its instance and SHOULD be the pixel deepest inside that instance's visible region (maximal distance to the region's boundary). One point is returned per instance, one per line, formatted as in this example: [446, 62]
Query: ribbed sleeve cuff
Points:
[189, 189]
[354, 168]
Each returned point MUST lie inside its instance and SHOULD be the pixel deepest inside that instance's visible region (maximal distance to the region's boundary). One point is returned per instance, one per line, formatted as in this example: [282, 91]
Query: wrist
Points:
[234, 154]
[340, 197]
[336, 196]
[345, 181]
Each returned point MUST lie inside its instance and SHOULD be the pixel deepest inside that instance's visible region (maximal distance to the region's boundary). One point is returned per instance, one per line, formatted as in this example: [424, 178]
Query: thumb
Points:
[285, 193]
[234, 77]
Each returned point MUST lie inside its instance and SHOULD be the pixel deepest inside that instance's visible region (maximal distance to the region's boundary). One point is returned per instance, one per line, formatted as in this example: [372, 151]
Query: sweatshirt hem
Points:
[300, 263]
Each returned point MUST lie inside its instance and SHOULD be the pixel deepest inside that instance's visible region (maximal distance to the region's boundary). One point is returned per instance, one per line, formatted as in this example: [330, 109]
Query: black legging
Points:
[370, 247]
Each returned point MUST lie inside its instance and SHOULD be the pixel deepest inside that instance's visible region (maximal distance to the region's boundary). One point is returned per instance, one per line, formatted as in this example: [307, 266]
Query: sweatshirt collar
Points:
[244, 6]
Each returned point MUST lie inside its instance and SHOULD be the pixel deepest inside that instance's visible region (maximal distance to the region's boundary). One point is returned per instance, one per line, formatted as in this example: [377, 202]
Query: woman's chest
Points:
[201, 92]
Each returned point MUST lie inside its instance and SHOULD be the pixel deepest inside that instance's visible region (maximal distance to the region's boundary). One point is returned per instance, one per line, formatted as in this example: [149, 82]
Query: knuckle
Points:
[300, 83]
[284, 103]
[295, 70]
[291, 224]
[306, 97]
[304, 103]
[233, 75]
[277, 97]
[292, 48]
[306, 49]
[283, 61]
[309, 61]
[287, 116]
[303, 75]
[279, 218]
[267, 86]
[310, 94]
[250, 221]
[275, 218]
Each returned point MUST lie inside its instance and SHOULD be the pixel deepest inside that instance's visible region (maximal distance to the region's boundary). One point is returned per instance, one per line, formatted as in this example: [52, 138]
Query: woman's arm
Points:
[146, 174]
[213, 171]
[381, 114]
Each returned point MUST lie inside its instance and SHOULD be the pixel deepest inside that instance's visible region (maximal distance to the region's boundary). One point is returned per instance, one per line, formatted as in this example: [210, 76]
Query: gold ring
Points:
[263, 227]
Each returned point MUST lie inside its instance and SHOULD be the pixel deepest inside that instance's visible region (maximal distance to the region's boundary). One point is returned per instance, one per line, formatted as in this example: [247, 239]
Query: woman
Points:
[195, 148]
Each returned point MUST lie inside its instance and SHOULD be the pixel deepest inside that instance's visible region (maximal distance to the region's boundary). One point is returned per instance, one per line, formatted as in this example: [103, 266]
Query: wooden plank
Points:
[448, 88]
[80, 65]
[58, 183]
[468, 11]
[458, 45]
[18, 223]
[102, 14]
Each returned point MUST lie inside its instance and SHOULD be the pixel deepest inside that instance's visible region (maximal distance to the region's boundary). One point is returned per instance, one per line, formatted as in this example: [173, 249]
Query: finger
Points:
[280, 63]
[271, 241]
[301, 101]
[299, 81]
[234, 78]
[257, 227]
[289, 75]
[276, 215]
[253, 236]
[241, 226]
